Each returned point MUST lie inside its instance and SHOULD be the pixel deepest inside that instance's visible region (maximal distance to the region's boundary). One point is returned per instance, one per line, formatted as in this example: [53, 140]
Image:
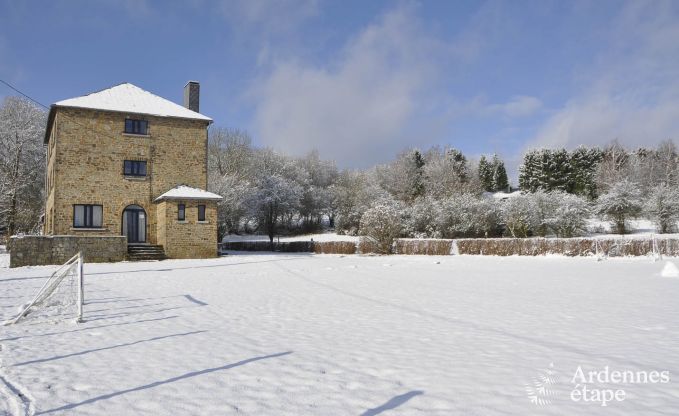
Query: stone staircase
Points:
[138, 252]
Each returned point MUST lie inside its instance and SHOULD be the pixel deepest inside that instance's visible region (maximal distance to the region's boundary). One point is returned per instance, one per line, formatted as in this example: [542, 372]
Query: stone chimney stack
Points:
[192, 96]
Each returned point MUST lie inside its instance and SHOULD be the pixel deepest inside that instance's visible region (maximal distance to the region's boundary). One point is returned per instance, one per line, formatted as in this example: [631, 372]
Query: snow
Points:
[670, 270]
[638, 228]
[187, 192]
[501, 196]
[337, 335]
[129, 98]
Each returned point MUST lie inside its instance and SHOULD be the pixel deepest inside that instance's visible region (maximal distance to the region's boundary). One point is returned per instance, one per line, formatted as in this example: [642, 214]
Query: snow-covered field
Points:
[264, 334]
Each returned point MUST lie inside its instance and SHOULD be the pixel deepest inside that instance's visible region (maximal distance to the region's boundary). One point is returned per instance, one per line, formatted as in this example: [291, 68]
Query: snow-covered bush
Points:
[543, 204]
[569, 214]
[381, 224]
[518, 215]
[620, 203]
[662, 206]
[422, 219]
[467, 215]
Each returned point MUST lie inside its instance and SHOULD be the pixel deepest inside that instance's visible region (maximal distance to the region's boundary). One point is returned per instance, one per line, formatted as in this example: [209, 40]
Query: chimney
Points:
[192, 96]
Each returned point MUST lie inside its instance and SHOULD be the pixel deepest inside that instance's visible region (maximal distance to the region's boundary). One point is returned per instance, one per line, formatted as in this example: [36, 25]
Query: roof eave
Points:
[187, 198]
[50, 122]
[207, 119]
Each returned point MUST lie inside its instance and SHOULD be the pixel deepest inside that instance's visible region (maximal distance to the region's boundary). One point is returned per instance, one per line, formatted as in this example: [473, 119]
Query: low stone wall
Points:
[37, 250]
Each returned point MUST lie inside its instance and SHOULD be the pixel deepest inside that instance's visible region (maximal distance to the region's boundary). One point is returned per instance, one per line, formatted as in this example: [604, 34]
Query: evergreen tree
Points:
[458, 163]
[418, 175]
[486, 174]
[500, 180]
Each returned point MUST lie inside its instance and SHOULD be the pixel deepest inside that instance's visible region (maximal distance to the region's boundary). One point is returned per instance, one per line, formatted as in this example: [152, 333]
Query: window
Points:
[87, 216]
[135, 168]
[201, 212]
[181, 212]
[133, 126]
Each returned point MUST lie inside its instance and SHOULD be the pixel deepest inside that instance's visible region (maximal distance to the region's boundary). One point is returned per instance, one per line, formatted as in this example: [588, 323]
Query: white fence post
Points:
[81, 284]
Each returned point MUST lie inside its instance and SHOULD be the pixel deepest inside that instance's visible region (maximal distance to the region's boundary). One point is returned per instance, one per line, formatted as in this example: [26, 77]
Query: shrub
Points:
[662, 206]
[569, 214]
[519, 216]
[467, 215]
[381, 224]
[619, 204]
[422, 219]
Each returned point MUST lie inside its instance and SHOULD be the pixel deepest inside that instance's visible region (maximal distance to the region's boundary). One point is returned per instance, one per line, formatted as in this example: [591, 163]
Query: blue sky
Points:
[362, 80]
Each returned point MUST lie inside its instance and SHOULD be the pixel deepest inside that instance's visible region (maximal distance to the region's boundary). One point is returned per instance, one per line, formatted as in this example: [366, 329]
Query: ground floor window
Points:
[201, 212]
[181, 212]
[87, 216]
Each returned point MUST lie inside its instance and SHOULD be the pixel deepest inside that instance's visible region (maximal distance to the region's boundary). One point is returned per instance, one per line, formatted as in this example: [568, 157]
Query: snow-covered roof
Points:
[503, 195]
[129, 98]
[188, 192]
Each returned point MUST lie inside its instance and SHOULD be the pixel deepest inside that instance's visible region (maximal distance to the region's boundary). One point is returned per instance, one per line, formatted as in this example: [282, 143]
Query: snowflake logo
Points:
[540, 390]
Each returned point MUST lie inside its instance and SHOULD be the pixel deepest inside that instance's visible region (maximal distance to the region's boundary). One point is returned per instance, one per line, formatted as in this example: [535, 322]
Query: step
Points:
[143, 252]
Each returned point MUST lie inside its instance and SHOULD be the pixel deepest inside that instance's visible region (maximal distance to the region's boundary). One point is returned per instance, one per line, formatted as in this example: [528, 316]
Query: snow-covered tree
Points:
[621, 202]
[423, 218]
[353, 194]
[317, 199]
[382, 224]
[569, 214]
[662, 206]
[274, 196]
[615, 166]
[584, 162]
[485, 171]
[468, 215]
[519, 216]
[22, 165]
[448, 172]
[404, 177]
[230, 158]
[500, 182]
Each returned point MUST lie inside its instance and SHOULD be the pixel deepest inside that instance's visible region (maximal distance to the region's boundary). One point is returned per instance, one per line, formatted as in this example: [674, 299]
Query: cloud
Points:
[262, 19]
[632, 92]
[359, 109]
[520, 106]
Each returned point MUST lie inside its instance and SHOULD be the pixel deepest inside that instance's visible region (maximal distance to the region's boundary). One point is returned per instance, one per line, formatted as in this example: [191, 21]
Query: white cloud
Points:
[518, 106]
[268, 17]
[632, 94]
[358, 107]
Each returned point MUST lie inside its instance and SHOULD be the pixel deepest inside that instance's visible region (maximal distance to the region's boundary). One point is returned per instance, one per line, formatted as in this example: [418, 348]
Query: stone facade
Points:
[189, 238]
[35, 250]
[85, 156]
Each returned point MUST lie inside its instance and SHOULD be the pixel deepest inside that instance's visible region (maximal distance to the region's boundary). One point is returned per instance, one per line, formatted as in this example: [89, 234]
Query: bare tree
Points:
[22, 161]
[230, 159]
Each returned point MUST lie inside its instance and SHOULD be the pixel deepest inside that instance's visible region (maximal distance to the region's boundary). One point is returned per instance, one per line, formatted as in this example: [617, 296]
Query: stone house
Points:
[123, 161]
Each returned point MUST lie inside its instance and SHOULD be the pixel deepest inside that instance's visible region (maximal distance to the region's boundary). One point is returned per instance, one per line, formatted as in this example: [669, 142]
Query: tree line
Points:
[435, 192]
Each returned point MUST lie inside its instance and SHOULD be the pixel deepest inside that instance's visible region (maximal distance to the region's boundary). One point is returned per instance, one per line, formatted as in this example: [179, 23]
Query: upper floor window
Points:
[181, 212]
[134, 168]
[133, 126]
[201, 212]
[87, 216]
